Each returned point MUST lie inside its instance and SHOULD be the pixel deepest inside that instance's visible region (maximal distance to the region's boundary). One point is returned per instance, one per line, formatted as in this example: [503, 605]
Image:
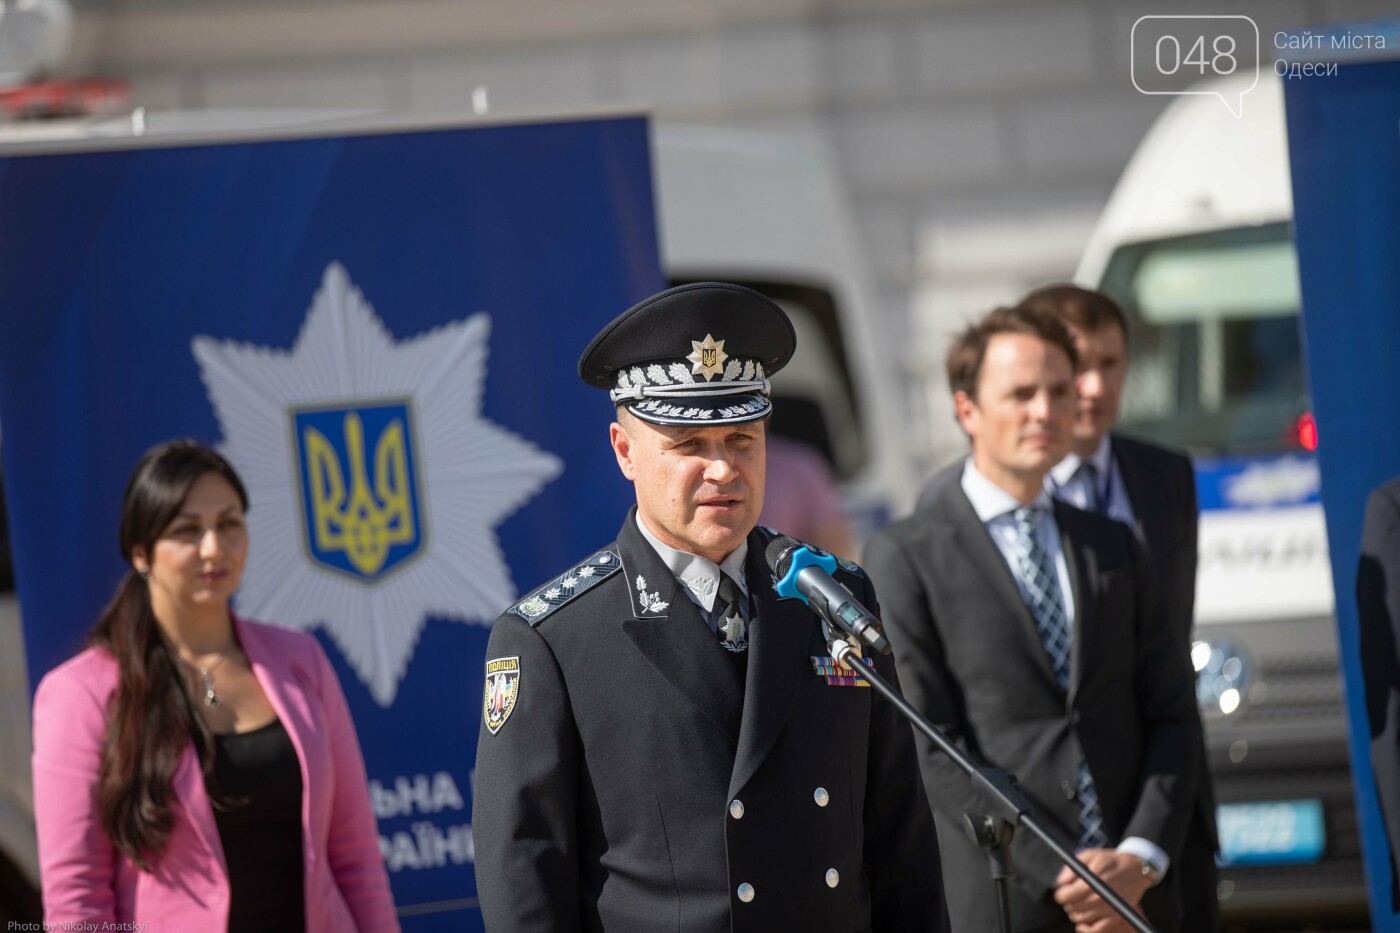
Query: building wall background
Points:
[978, 140]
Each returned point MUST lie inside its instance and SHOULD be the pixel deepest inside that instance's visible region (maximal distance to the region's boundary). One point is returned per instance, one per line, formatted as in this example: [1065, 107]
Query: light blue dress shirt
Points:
[995, 507]
[1062, 483]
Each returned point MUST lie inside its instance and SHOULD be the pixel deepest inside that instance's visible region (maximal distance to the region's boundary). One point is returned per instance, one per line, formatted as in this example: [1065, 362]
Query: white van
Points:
[768, 212]
[759, 210]
[1196, 244]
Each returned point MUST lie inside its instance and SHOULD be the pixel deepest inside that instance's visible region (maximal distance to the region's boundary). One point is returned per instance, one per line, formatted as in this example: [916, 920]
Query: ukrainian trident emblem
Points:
[359, 495]
[734, 635]
[708, 357]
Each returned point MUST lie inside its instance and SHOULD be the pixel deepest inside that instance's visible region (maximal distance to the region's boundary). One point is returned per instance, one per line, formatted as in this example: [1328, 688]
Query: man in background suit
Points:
[1028, 630]
[1152, 490]
[1378, 609]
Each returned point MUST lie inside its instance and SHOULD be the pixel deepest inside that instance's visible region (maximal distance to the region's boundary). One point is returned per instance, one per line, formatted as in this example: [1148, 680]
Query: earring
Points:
[144, 573]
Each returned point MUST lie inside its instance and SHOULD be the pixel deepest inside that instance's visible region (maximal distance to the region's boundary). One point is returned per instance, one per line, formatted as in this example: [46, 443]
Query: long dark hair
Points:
[150, 719]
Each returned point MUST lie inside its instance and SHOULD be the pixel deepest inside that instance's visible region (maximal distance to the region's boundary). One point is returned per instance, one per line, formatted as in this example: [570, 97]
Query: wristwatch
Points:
[1151, 872]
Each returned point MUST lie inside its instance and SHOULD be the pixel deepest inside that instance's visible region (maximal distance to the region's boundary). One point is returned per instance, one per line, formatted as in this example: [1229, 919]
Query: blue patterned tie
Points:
[1047, 605]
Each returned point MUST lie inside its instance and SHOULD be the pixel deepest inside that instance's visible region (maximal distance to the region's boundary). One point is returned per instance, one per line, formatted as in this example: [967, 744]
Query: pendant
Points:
[211, 699]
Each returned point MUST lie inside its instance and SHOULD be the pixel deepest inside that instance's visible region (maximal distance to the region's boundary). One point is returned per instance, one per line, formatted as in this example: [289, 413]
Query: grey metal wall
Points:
[979, 139]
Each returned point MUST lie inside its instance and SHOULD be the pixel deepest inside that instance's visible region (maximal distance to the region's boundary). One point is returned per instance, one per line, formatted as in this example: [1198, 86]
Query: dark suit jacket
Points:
[970, 658]
[1161, 485]
[603, 802]
[1378, 605]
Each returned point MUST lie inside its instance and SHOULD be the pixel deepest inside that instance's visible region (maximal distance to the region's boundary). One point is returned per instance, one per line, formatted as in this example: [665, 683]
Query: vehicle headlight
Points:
[1222, 675]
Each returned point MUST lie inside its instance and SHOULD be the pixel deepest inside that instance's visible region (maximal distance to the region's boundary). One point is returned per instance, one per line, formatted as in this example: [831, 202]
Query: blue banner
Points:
[1344, 146]
[381, 332]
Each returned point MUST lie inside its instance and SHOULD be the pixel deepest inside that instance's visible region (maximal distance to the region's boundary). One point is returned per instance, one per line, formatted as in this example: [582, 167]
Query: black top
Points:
[260, 774]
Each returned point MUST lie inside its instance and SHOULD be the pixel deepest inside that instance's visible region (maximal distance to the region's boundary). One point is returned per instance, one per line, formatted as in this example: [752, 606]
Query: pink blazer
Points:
[85, 879]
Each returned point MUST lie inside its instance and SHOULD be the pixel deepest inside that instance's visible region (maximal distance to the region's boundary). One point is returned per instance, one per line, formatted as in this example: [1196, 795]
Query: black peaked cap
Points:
[694, 354]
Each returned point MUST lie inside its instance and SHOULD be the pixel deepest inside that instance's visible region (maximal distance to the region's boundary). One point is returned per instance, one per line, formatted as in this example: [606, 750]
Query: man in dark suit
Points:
[666, 744]
[1152, 490]
[1028, 630]
[1378, 608]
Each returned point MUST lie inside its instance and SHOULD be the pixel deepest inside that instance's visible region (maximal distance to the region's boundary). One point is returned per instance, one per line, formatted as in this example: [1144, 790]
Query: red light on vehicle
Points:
[1307, 431]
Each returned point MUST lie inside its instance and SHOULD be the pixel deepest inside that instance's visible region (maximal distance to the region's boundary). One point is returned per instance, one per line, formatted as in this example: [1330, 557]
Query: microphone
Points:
[805, 574]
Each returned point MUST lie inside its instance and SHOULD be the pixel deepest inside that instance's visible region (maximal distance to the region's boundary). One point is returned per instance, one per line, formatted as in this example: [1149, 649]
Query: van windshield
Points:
[1216, 361]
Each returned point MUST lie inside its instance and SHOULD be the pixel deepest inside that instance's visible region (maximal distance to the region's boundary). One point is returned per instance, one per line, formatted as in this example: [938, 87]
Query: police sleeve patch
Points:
[566, 587]
[502, 690]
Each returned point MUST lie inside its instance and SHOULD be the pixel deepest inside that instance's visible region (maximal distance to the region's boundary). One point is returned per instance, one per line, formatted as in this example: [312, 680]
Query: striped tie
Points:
[1046, 603]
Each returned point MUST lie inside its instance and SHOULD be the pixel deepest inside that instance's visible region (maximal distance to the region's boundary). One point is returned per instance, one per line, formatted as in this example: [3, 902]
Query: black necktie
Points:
[730, 624]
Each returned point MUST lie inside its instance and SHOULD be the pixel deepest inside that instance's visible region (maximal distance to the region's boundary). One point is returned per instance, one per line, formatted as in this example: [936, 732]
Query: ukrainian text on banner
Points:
[381, 331]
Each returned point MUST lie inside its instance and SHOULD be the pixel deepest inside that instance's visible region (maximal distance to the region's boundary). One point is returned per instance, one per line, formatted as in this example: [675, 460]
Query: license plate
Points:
[1274, 833]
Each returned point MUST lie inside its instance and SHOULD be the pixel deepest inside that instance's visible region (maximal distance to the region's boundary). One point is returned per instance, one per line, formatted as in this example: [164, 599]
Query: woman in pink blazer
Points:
[194, 770]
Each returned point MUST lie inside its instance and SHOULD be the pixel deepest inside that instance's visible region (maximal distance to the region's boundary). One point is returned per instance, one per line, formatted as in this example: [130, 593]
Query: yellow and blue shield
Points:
[359, 487]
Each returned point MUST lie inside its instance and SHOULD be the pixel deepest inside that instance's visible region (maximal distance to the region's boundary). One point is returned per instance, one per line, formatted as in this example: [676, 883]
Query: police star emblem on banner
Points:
[375, 480]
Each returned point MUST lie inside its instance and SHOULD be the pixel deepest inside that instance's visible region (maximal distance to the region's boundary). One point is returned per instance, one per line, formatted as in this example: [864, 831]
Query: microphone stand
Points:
[1012, 809]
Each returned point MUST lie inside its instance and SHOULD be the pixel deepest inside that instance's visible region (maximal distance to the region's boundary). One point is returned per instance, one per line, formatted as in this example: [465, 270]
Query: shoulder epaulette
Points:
[566, 587]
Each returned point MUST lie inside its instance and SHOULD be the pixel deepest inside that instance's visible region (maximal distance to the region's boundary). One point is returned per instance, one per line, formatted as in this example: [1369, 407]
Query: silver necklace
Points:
[206, 674]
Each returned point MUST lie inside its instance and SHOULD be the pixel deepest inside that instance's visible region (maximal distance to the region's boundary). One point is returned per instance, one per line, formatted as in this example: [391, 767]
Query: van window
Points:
[1214, 341]
[814, 397]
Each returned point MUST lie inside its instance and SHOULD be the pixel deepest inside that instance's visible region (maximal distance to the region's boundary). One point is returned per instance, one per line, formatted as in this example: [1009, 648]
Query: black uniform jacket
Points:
[637, 785]
[971, 660]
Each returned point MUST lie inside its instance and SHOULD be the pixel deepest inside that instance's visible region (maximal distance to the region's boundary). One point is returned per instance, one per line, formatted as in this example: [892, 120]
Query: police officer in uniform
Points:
[666, 744]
